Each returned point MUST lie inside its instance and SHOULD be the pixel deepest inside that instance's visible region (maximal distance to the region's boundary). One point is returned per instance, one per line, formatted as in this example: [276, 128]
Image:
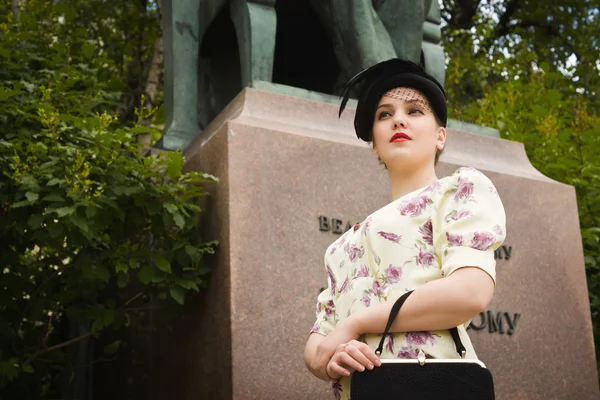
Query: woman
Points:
[437, 237]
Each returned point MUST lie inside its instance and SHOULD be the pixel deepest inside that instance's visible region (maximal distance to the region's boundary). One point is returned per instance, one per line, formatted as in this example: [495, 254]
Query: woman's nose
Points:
[399, 121]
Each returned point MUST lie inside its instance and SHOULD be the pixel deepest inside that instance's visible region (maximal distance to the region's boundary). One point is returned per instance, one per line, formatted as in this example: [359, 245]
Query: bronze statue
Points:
[201, 77]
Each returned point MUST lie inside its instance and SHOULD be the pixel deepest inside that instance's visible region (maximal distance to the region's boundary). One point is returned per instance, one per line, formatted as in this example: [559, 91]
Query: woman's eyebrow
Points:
[383, 105]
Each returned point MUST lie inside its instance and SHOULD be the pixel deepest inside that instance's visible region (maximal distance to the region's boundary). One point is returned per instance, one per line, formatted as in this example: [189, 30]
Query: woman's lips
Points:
[399, 137]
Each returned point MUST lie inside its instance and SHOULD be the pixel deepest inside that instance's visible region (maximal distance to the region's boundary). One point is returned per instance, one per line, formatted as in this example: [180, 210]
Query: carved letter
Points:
[337, 225]
[348, 226]
[481, 324]
[323, 223]
[498, 254]
[495, 324]
[507, 252]
[512, 324]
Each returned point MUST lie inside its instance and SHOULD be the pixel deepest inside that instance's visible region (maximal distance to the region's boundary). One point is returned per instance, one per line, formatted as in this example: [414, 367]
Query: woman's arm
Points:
[437, 305]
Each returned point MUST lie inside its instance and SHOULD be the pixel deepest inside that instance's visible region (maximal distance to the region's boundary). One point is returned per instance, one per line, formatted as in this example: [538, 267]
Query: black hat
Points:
[375, 81]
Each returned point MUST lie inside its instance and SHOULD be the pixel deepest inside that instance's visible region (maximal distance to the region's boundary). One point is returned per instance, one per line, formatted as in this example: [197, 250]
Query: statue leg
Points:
[433, 52]
[180, 35]
[358, 35]
[404, 21]
[255, 22]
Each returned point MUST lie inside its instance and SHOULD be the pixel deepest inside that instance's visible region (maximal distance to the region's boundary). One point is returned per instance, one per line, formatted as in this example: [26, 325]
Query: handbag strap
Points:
[460, 349]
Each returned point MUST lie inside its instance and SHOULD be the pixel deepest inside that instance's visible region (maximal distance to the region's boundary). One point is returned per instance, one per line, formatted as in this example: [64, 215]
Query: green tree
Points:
[88, 225]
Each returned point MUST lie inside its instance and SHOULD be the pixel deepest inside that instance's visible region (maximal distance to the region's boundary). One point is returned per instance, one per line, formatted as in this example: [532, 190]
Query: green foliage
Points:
[532, 73]
[87, 224]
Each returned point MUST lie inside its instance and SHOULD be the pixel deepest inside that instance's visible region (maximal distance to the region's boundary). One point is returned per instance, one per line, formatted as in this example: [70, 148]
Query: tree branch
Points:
[59, 346]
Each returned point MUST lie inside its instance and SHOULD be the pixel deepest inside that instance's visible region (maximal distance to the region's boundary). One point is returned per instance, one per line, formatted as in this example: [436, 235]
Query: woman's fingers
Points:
[367, 352]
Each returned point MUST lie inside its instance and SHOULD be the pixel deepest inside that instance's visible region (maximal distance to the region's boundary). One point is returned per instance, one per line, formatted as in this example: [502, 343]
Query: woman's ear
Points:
[441, 138]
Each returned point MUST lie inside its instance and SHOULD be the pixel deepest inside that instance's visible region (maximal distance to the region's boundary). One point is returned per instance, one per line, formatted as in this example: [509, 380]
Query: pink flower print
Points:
[316, 328]
[333, 249]
[337, 390]
[454, 239]
[329, 308]
[366, 226]
[331, 279]
[424, 259]
[390, 344]
[392, 237]
[497, 229]
[353, 252]
[377, 289]
[426, 232]
[483, 240]
[345, 286]
[407, 352]
[366, 300]
[419, 338]
[393, 274]
[415, 206]
[468, 169]
[433, 187]
[363, 272]
[455, 216]
[465, 189]
[493, 190]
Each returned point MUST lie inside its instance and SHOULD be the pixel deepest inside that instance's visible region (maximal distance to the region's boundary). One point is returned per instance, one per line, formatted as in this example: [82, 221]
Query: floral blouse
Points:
[425, 235]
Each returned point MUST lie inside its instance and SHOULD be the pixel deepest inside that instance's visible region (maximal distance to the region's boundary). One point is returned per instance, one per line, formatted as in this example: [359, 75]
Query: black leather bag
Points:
[422, 378]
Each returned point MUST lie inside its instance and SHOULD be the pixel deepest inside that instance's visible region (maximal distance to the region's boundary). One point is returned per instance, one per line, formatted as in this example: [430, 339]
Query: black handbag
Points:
[423, 378]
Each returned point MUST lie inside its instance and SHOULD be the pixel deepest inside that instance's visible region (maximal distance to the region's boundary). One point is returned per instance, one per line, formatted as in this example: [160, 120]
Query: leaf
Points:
[178, 294]
[88, 50]
[171, 208]
[188, 284]
[19, 204]
[122, 279]
[32, 196]
[63, 211]
[54, 181]
[54, 197]
[179, 221]
[80, 223]
[90, 211]
[103, 274]
[112, 348]
[146, 274]
[121, 267]
[109, 317]
[203, 271]
[7, 94]
[175, 165]
[35, 221]
[27, 368]
[162, 264]
[97, 325]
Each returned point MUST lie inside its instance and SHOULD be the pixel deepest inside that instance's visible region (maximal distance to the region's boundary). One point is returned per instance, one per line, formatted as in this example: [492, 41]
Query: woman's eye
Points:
[416, 110]
[383, 114]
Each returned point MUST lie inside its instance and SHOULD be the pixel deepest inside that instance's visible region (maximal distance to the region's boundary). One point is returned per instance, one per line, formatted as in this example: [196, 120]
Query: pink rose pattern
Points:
[363, 272]
[393, 274]
[331, 279]
[390, 344]
[353, 252]
[415, 206]
[454, 239]
[392, 237]
[483, 240]
[337, 390]
[408, 352]
[455, 215]
[345, 286]
[497, 230]
[426, 231]
[420, 338]
[424, 259]
[465, 189]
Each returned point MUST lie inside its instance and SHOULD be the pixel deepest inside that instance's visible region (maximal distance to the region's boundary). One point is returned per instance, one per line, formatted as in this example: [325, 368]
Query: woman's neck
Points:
[406, 181]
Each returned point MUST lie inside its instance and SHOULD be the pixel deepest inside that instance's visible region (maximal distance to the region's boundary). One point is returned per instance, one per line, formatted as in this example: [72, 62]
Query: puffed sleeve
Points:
[326, 315]
[469, 223]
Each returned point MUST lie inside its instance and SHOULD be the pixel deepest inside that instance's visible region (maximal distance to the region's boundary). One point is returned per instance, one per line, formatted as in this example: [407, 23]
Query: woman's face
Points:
[405, 132]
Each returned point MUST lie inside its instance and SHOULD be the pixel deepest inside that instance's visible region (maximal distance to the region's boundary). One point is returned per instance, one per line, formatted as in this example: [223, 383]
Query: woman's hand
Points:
[350, 357]
[341, 347]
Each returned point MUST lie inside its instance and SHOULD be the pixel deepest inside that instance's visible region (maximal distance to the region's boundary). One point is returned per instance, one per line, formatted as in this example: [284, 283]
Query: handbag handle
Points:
[460, 349]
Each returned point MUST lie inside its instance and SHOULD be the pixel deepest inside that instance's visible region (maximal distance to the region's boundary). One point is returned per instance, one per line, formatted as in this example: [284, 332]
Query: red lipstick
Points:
[399, 137]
